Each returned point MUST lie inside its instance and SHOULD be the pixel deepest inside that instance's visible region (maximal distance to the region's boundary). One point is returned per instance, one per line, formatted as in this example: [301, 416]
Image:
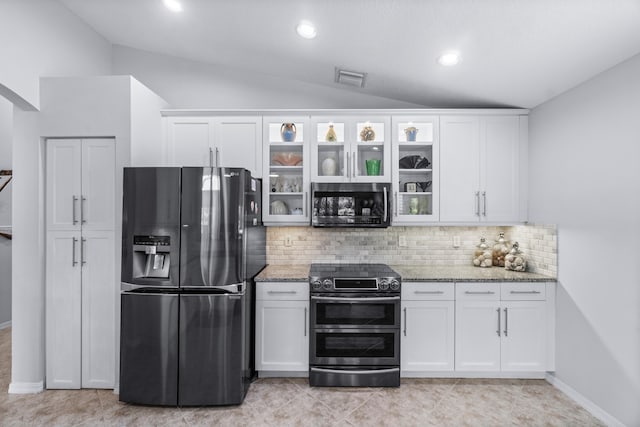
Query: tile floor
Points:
[291, 402]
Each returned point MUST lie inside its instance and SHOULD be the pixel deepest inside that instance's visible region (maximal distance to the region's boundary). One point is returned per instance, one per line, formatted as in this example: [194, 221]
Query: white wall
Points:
[584, 160]
[43, 38]
[190, 84]
[6, 133]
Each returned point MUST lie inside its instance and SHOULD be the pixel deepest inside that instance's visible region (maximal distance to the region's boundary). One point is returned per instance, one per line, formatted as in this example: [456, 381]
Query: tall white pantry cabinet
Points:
[80, 265]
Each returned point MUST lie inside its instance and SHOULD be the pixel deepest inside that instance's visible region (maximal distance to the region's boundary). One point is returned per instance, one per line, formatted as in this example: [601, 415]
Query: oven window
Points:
[332, 344]
[360, 313]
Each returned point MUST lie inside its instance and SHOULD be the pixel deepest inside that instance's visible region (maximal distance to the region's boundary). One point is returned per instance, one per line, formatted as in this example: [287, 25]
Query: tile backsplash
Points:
[407, 245]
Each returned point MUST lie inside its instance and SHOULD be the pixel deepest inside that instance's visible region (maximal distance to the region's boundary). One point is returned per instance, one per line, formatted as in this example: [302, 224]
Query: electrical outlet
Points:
[456, 241]
[288, 241]
[402, 241]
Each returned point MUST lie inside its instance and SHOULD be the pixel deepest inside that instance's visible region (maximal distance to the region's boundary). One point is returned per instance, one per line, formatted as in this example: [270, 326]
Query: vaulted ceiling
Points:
[515, 53]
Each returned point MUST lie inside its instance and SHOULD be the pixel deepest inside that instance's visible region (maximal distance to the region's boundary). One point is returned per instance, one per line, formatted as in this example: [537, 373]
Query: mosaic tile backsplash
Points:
[407, 245]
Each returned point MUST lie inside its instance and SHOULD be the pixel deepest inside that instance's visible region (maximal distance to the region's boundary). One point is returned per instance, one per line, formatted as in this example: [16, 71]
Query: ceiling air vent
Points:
[350, 78]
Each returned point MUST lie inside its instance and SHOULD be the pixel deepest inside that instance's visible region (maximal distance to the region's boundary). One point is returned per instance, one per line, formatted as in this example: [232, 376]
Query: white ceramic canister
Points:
[329, 167]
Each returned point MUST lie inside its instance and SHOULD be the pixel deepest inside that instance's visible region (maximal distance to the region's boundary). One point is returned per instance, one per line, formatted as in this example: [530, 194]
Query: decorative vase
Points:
[367, 134]
[331, 135]
[329, 167]
[288, 132]
[411, 133]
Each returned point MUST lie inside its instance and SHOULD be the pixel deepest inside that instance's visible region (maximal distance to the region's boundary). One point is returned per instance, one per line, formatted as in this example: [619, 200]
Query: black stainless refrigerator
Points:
[192, 242]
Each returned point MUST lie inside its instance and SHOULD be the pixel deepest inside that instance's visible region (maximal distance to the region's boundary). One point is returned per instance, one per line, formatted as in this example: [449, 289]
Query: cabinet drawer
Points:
[522, 291]
[479, 291]
[278, 291]
[428, 291]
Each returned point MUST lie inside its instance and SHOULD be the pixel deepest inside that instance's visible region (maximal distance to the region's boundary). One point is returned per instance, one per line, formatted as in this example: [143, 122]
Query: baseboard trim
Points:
[587, 404]
[26, 388]
[5, 325]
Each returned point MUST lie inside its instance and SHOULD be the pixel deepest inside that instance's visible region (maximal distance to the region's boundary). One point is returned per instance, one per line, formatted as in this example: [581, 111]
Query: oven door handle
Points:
[358, 372]
[363, 299]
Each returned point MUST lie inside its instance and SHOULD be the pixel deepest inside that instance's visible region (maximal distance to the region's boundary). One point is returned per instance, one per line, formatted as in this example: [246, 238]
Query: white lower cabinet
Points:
[502, 327]
[282, 327]
[427, 340]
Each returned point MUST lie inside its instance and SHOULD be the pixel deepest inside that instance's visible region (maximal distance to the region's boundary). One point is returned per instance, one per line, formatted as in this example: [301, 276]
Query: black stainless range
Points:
[354, 326]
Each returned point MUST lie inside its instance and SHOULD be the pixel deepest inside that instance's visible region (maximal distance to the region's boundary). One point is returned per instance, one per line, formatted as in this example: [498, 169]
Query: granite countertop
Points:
[284, 273]
[465, 273]
[414, 273]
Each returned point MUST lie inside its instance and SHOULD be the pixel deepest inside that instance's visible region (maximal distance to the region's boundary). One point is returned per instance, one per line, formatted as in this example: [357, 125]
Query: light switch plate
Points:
[288, 241]
[456, 241]
[402, 241]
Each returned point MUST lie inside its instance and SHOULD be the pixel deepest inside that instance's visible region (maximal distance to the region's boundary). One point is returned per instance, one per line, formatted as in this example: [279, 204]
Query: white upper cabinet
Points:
[415, 163]
[222, 141]
[351, 149]
[482, 167]
[286, 170]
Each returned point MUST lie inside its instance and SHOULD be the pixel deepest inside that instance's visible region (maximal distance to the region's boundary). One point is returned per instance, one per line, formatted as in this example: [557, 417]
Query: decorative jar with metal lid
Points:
[500, 250]
[482, 256]
[515, 259]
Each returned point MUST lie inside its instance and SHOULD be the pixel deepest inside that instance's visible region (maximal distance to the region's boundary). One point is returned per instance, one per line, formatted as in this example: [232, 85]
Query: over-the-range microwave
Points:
[366, 205]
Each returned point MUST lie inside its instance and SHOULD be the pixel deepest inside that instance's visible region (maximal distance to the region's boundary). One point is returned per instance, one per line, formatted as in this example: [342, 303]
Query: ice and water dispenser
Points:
[151, 257]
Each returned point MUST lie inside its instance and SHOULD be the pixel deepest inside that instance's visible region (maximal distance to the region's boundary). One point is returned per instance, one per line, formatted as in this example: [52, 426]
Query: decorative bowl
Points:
[286, 159]
[414, 162]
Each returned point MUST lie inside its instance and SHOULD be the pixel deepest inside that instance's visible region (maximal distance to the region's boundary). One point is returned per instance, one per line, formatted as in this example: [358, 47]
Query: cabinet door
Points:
[63, 184]
[238, 143]
[459, 169]
[190, 141]
[282, 335]
[286, 171]
[415, 169]
[427, 336]
[499, 157]
[524, 336]
[97, 211]
[98, 308]
[477, 335]
[63, 317]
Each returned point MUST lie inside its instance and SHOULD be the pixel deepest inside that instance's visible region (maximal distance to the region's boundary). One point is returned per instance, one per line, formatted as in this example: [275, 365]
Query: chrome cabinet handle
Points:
[73, 252]
[73, 210]
[384, 219]
[477, 203]
[305, 321]
[498, 330]
[82, 200]
[210, 157]
[348, 164]
[217, 157]
[484, 203]
[525, 292]
[405, 321]
[429, 292]
[396, 204]
[283, 292]
[304, 205]
[479, 292]
[83, 241]
[506, 322]
[353, 171]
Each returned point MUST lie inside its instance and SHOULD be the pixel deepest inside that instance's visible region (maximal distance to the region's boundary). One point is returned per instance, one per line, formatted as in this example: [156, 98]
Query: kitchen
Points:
[573, 183]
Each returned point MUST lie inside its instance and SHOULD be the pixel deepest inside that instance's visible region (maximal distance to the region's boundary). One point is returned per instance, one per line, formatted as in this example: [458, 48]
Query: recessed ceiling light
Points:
[306, 29]
[449, 58]
[173, 5]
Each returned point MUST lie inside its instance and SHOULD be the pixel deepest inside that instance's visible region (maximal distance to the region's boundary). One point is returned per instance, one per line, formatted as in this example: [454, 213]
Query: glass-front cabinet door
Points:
[351, 149]
[286, 171]
[415, 169]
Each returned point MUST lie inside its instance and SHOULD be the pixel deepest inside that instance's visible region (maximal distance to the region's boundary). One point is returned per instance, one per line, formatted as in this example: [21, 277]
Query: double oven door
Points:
[355, 330]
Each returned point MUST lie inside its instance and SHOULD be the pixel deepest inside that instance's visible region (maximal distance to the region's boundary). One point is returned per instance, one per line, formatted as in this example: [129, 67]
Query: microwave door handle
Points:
[385, 204]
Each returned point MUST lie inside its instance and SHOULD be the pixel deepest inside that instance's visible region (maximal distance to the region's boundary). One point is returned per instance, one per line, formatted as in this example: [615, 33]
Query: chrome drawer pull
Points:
[479, 292]
[283, 292]
[429, 292]
[525, 292]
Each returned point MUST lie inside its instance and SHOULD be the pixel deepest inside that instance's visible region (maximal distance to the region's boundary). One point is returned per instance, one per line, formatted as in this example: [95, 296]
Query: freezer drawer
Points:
[149, 348]
[212, 355]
